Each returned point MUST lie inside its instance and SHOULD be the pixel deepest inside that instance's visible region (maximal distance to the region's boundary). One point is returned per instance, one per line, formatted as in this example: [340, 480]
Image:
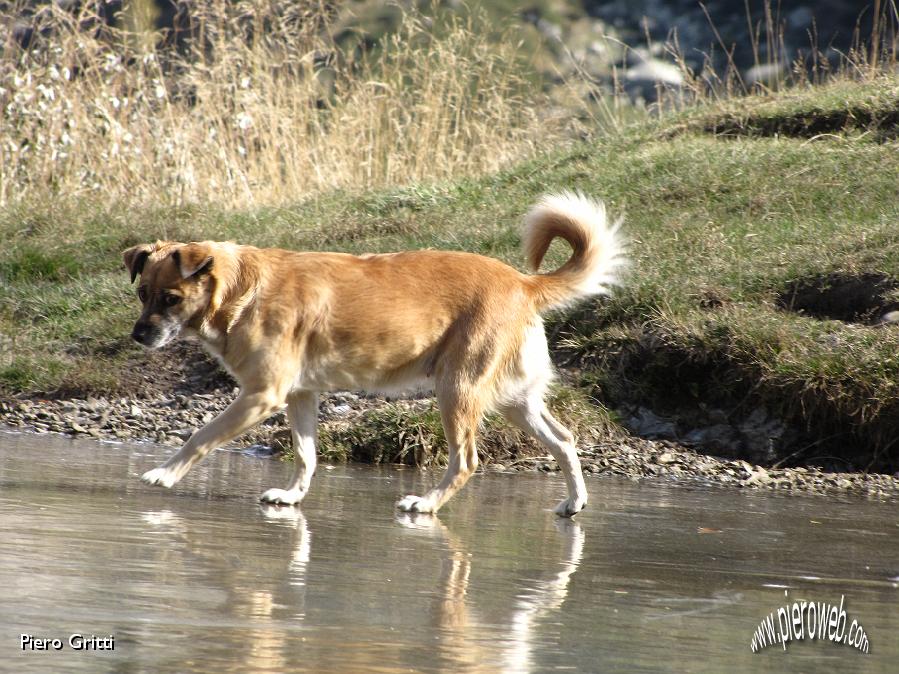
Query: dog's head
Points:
[175, 288]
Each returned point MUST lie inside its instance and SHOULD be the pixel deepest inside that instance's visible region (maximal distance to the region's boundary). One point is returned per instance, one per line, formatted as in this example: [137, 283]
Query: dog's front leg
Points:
[302, 412]
[246, 410]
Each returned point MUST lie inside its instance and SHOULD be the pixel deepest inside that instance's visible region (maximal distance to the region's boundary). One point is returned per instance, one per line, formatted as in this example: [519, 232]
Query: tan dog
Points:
[288, 324]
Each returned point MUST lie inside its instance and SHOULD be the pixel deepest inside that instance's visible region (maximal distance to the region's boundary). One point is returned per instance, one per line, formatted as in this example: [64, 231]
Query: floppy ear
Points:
[193, 259]
[135, 258]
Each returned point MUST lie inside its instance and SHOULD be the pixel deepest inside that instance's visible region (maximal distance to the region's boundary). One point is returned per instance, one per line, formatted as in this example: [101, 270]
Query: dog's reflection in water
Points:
[461, 641]
[206, 573]
[268, 595]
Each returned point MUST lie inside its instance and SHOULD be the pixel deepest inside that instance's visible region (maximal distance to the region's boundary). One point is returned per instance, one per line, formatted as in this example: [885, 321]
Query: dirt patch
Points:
[866, 298]
[183, 367]
[881, 124]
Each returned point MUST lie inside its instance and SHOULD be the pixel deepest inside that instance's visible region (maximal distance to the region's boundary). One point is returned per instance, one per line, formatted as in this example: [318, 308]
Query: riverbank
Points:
[756, 321]
[169, 419]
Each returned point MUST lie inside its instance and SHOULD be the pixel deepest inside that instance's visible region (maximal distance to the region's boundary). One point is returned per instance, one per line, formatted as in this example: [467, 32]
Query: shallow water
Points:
[651, 577]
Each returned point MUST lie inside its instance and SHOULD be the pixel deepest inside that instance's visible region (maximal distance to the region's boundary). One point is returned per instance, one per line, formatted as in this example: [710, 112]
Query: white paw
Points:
[282, 496]
[415, 504]
[570, 506]
[273, 511]
[164, 477]
[415, 520]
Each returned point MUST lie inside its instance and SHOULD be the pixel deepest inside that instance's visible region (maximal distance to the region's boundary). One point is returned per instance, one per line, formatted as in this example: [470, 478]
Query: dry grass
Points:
[262, 107]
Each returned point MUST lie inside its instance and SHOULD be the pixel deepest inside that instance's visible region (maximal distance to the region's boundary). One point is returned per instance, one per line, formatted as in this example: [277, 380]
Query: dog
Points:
[288, 325]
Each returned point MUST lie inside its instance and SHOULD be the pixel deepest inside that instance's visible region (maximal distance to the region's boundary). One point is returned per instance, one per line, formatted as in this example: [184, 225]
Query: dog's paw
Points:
[414, 520]
[415, 504]
[273, 511]
[570, 506]
[282, 496]
[163, 477]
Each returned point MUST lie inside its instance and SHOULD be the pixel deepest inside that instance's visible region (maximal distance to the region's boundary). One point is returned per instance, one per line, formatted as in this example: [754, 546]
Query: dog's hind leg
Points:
[302, 412]
[534, 419]
[460, 413]
[247, 410]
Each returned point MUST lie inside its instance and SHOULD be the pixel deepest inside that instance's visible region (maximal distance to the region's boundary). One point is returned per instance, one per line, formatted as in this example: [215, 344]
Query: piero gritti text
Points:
[73, 642]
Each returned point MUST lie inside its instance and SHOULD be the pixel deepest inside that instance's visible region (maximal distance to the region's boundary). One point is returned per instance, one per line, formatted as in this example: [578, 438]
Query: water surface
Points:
[653, 576]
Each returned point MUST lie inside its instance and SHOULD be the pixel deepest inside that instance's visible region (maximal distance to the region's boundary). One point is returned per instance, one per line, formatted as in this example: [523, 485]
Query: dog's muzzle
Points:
[155, 335]
[143, 333]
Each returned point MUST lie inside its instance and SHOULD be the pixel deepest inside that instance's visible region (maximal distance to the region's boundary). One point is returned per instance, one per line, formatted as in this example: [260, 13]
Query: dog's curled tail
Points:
[597, 249]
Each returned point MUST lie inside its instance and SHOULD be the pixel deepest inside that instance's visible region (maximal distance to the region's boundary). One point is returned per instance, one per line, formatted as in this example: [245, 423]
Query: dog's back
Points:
[394, 321]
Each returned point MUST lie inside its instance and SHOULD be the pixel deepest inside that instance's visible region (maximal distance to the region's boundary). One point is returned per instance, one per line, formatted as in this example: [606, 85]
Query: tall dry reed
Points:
[261, 106]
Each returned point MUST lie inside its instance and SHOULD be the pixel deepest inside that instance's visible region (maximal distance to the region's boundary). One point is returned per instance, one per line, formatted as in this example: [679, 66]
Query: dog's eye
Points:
[170, 300]
[142, 294]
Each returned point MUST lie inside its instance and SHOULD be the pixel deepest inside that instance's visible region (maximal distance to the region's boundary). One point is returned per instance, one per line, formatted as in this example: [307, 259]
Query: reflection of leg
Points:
[246, 410]
[302, 549]
[449, 609]
[302, 412]
[539, 599]
[460, 415]
[574, 552]
[533, 418]
[304, 540]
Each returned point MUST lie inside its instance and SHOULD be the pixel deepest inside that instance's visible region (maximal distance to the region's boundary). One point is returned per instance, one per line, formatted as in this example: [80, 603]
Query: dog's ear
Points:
[193, 260]
[136, 257]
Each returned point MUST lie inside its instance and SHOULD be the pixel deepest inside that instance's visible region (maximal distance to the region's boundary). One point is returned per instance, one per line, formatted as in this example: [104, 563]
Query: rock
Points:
[717, 417]
[653, 71]
[765, 73]
[761, 433]
[889, 318]
[758, 476]
[721, 438]
[646, 423]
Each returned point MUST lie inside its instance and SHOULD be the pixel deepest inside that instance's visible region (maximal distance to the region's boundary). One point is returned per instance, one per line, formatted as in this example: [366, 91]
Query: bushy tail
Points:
[597, 249]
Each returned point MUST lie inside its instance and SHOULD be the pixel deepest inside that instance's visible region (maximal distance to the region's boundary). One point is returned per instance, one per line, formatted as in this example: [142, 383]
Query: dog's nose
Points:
[140, 332]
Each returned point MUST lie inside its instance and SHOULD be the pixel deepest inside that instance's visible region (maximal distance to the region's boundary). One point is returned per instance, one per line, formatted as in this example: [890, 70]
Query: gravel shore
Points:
[170, 419]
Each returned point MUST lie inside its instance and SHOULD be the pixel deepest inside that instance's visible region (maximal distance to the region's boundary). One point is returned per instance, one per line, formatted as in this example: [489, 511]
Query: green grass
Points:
[413, 434]
[720, 224]
[840, 108]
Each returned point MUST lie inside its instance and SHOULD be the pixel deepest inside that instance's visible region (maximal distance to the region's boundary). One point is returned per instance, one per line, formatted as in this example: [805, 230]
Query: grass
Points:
[411, 433]
[842, 107]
